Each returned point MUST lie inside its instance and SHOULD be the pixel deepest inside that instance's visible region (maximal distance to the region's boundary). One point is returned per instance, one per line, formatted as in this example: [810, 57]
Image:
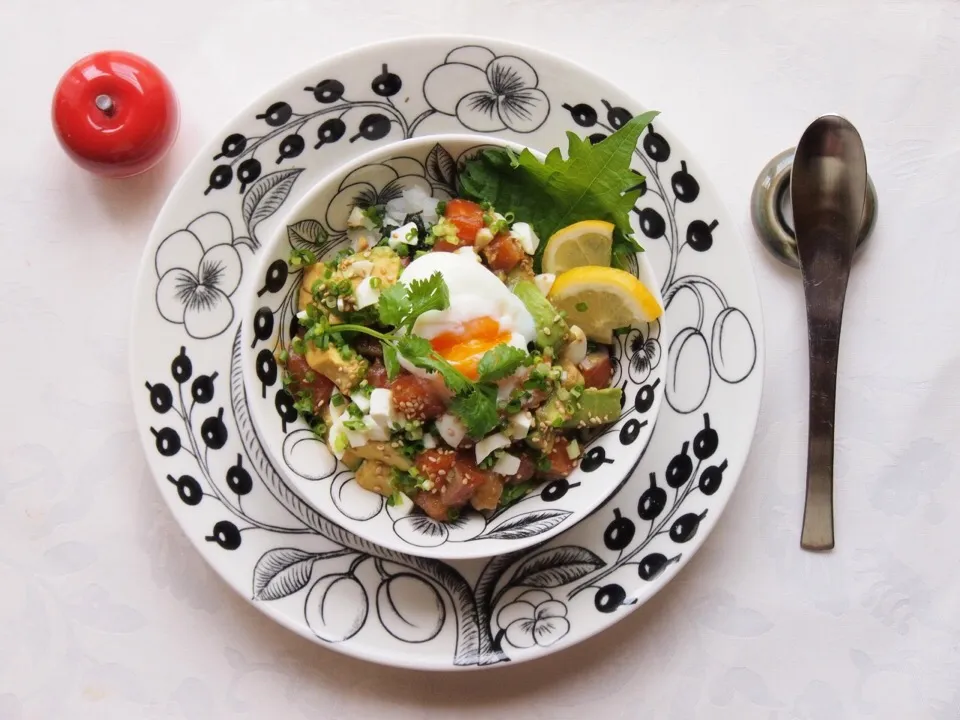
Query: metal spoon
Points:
[829, 187]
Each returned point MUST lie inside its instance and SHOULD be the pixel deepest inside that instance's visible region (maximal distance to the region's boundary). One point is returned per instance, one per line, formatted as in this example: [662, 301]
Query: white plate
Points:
[321, 580]
[318, 223]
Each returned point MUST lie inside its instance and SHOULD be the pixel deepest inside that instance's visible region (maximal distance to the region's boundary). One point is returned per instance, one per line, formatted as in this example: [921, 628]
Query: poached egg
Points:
[483, 313]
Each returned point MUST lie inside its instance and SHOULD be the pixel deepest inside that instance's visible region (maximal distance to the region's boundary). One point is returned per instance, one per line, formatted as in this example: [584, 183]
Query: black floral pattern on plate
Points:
[202, 425]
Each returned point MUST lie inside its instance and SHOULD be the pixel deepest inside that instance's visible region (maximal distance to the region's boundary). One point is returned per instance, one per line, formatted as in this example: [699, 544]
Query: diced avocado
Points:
[551, 328]
[330, 362]
[310, 275]
[385, 453]
[555, 412]
[522, 271]
[542, 439]
[597, 407]
[375, 476]
[386, 266]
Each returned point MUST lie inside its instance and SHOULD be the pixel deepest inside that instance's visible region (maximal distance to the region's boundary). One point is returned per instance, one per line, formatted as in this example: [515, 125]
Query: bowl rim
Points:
[327, 183]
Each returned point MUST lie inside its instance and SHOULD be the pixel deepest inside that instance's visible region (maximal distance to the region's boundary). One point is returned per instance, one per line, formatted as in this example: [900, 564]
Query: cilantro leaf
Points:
[390, 360]
[393, 305]
[425, 295]
[419, 352]
[595, 182]
[477, 409]
[500, 361]
[400, 306]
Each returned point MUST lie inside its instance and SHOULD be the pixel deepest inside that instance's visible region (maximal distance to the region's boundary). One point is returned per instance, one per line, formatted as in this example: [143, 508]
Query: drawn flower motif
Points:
[421, 531]
[199, 269]
[487, 93]
[641, 349]
[534, 618]
[375, 184]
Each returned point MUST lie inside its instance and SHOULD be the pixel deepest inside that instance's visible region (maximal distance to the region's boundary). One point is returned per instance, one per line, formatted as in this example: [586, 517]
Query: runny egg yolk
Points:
[464, 346]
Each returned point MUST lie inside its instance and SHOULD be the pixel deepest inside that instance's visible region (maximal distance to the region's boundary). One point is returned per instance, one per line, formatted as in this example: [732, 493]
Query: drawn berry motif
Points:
[685, 186]
[655, 145]
[374, 126]
[711, 478]
[277, 114]
[220, 177]
[706, 440]
[680, 468]
[685, 527]
[247, 172]
[619, 532]
[555, 490]
[266, 369]
[652, 565]
[202, 388]
[330, 131]
[263, 323]
[161, 399]
[290, 147]
[700, 235]
[225, 534]
[188, 489]
[535, 618]
[167, 441]
[583, 115]
[652, 501]
[283, 402]
[609, 598]
[213, 431]
[645, 396]
[594, 459]
[386, 84]
[631, 431]
[276, 278]
[233, 145]
[238, 479]
[617, 117]
[652, 223]
[181, 368]
[327, 91]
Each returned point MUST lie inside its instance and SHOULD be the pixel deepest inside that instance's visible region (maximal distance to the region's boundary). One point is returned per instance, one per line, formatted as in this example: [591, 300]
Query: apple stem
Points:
[105, 104]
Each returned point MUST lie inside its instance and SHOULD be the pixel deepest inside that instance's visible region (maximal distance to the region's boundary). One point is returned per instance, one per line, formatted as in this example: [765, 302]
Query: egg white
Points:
[474, 292]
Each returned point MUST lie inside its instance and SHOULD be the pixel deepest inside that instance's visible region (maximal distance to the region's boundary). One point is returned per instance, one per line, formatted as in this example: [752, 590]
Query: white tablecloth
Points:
[107, 612]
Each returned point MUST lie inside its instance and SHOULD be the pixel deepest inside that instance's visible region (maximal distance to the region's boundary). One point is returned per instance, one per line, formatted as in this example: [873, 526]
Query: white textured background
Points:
[107, 612]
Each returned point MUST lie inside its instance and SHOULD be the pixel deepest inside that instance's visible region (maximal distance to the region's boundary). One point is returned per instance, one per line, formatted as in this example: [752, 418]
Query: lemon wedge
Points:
[602, 299]
[588, 242]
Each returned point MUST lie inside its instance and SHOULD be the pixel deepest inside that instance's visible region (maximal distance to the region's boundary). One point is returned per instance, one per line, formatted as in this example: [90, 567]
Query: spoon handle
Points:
[824, 297]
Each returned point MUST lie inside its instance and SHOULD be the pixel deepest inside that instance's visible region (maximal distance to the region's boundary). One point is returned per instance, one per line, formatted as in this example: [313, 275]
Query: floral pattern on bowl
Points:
[318, 223]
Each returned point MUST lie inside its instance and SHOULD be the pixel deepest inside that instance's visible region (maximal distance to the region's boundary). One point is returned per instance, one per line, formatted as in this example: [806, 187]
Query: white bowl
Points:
[325, 483]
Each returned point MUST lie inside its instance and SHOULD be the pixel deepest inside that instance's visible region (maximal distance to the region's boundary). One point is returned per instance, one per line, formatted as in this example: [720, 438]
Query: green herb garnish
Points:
[594, 182]
[512, 493]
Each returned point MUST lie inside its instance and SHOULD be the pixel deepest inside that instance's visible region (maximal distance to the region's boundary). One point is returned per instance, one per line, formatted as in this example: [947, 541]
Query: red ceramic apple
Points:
[115, 114]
